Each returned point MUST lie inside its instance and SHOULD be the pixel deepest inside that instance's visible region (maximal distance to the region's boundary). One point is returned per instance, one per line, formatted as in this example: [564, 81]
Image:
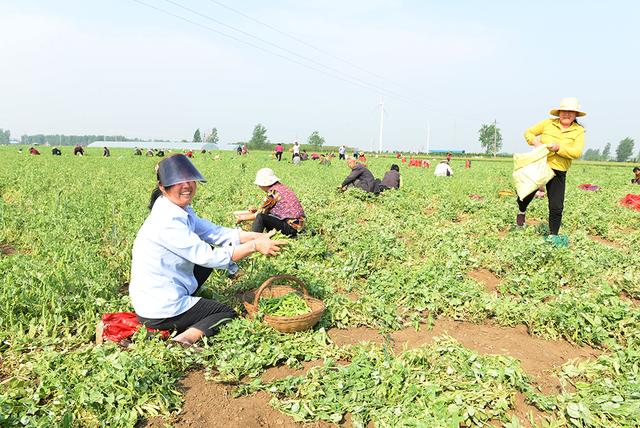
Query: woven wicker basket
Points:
[286, 324]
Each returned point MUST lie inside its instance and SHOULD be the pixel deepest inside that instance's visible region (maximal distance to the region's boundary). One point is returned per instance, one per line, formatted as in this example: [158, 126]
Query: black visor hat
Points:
[177, 169]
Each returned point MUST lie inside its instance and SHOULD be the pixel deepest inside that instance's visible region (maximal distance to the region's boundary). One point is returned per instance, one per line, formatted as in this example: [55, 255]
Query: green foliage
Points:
[288, 305]
[624, 150]
[398, 260]
[5, 136]
[196, 136]
[259, 140]
[606, 152]
[315, 140]
[592, 155]
[490, 138]
[213, 136]
[440, 385]
[92, 386]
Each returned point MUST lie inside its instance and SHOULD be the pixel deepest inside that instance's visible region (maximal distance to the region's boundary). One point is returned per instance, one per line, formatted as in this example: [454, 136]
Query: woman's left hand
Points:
[554, 147]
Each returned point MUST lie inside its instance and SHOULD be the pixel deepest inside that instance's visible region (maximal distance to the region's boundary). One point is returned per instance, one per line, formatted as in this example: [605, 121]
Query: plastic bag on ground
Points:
[531, 171]
[122, 325]
[631, 201]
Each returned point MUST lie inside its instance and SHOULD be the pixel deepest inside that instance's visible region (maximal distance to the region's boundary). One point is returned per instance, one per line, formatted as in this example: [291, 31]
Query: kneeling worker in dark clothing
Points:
[280, 210]
[391, 178]
[360, 177]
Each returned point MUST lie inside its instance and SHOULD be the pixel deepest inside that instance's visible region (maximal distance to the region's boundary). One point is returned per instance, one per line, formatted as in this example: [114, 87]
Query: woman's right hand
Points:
[536, 142]
[267, 246]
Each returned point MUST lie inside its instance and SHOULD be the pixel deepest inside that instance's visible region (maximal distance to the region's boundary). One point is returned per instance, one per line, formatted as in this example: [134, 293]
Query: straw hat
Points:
[568, 104]
[266, 177]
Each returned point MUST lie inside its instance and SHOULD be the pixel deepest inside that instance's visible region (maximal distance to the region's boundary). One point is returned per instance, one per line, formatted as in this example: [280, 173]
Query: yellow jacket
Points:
[570, 140]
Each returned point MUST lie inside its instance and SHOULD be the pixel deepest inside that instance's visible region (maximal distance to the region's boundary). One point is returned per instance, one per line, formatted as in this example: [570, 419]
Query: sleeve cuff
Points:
[236, 236]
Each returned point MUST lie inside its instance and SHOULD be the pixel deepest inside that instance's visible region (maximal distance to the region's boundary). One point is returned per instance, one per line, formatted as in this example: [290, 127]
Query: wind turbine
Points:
[381, 125]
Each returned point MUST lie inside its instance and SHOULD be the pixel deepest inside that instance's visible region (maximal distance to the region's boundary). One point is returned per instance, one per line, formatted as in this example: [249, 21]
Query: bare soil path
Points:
[211, 404]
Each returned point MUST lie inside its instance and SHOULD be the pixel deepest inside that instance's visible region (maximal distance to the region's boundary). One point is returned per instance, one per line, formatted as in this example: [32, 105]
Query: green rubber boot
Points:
[558, 241]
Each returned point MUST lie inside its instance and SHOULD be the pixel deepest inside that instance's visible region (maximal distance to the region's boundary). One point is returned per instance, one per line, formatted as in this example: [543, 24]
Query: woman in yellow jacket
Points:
[564, 137]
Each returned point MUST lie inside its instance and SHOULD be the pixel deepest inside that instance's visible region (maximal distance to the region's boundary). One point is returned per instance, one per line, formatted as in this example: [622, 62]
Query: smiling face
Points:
[180, 194]
[567, 117]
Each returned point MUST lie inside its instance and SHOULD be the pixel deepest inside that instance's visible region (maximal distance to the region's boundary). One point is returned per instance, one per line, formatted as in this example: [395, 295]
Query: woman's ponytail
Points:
[155, 194]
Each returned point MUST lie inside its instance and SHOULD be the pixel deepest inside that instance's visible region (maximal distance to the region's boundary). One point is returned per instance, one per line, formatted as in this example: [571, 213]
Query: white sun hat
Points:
[266, 177]
[568, 104]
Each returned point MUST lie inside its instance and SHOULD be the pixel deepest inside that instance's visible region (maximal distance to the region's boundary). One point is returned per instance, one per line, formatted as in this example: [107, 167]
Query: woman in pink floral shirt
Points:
[280, 208]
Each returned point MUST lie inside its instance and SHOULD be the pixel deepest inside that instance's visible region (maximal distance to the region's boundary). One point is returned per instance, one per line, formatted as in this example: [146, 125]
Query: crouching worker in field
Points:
[391, 179]
[636, 172]
[173, 256]
[443, 169]
[360, 177]
[280, 209]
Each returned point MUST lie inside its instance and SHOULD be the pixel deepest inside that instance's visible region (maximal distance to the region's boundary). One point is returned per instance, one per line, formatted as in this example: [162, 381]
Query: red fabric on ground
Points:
[122, 325]
[631, 201]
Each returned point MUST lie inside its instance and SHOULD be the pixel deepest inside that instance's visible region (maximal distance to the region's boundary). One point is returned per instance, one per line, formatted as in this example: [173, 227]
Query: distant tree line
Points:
[71, 140]
[5, 136]
[624, 152]
[260, 141]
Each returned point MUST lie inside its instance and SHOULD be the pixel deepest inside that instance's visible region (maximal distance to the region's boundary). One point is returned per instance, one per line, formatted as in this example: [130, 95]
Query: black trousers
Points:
[267, 222]
[340, 156]
[555, 193]
[279, 156]
[207, 315]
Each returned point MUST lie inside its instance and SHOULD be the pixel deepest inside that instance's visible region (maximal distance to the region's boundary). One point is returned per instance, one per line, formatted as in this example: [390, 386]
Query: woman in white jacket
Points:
[173, 256]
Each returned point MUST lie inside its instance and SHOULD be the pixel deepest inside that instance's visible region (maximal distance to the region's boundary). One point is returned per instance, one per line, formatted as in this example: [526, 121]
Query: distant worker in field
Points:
[78, 150]
[245, 149]
[280, 209]
[443, 169]
[137, 152]
[467, 164]
[56, 151]
[33, 151]
[449, 156]
[325, 160]
[636, 179]
[360, 177]
[173, 256]
[304, 156]
[278, 151]
[341, 152]
[239, 150]
[564, 137]
[106, 152]
[391, 179]
[189, 153]
[160, 153]
[296, 150]
[149, 152]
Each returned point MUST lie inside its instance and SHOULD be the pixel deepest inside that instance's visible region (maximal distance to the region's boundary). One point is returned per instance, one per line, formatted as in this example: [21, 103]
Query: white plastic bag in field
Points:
[530, 171]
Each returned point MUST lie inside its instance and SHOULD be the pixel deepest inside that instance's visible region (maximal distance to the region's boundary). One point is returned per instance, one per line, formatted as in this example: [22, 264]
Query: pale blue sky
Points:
[119, 67]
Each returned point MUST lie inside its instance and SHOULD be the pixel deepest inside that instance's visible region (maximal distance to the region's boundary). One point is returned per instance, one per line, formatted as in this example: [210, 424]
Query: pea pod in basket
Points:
[281, 305]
